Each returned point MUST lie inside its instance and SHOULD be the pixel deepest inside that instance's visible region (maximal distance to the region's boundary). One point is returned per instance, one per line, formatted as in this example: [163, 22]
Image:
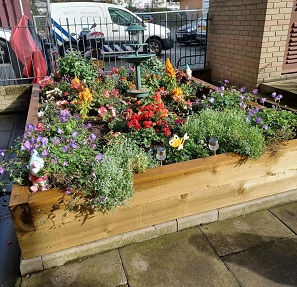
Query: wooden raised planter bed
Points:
[161, 194]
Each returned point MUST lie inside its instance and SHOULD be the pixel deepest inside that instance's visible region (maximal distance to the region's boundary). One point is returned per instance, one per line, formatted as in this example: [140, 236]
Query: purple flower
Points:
[44, 142]
[44, 153]
[1, 170]
[258, 120]
[263, 100]
[98, 157]
[59, 131]
[101, 199]
[26, 145]
[29, 127]
[93, 174]
[56, 140]
[242, 90]
[89, 126]
[1, 152]
[73, 145]
[55, 160]
[273, 94]
[85, 142]
[265, 127]
[255, 91]
[241, 97]
[66, 163]
[212, 100]
[68, 190]
[74, 134]
[278, 97]
[92, 137]
[65, 148]
[226, 81]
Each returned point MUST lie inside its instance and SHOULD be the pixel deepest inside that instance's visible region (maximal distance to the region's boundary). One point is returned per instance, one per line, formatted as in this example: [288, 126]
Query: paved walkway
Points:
[11, 126]
[258, 249]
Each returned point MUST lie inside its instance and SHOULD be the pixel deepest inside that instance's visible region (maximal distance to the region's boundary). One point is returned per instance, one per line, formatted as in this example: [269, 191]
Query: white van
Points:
[69, 18]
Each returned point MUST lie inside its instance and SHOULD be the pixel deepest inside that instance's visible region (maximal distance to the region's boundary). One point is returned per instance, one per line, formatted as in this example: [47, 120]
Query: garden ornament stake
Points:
[213, 145]
[161, 154]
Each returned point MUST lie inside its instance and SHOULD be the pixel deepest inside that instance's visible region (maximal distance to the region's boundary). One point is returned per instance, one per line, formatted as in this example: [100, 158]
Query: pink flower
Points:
[115, 70]
[102, 111]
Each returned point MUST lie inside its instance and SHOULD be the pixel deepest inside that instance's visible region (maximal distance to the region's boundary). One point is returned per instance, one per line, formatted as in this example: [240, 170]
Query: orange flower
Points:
[75, 83]
[85, 95]
[177, 94]
[169, 69]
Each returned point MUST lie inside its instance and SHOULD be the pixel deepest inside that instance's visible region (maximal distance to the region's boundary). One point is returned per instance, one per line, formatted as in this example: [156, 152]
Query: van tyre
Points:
[154, 47]
[3, 52]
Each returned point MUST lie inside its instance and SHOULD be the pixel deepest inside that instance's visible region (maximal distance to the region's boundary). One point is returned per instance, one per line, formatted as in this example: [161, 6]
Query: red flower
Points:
[166, 131]
[147, 124]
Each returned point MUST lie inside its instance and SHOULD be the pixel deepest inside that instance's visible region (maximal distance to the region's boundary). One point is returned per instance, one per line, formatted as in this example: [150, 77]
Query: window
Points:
[122, 17]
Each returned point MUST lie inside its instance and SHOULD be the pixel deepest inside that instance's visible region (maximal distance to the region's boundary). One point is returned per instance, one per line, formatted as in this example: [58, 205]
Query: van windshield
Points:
[122, 17]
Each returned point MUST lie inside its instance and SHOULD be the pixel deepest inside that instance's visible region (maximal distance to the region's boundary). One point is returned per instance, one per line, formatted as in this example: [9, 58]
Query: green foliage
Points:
[231, 129]
[277, 125]
[75, 65]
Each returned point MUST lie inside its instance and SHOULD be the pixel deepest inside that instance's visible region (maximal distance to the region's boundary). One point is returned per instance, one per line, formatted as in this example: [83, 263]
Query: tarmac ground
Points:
[254, 250]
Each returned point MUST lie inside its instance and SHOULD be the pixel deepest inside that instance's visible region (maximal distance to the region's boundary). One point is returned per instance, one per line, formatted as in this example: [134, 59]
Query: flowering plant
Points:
[92, 136]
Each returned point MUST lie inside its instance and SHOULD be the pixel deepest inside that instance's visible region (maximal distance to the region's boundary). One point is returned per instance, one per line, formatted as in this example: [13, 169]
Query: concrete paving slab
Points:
[7, 122]
[103, 270]
[5, 139]
[287, 214]
[184, 258]
[272, 264]
[9, 253]
[236, 234]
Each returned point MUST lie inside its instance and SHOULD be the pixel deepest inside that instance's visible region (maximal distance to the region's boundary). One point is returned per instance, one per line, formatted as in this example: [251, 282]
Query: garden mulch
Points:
[256, 249]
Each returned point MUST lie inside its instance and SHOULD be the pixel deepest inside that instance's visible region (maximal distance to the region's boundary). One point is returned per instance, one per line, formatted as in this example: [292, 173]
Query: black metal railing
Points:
[186, 29]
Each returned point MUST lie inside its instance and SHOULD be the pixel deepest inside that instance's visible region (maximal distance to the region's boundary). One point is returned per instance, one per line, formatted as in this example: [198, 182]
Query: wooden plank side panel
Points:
[126, 219]
[20, 210]
[156, 185]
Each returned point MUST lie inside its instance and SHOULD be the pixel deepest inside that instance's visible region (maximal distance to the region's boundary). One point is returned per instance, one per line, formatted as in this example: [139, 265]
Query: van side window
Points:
[122, 17]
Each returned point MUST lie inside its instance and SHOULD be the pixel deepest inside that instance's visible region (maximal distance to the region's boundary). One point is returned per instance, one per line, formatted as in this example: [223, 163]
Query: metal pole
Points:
[21, 6]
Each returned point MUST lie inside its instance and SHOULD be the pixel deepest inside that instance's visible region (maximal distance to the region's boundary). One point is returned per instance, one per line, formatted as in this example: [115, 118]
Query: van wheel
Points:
[3, 52]
[65, 50]
[154, 47]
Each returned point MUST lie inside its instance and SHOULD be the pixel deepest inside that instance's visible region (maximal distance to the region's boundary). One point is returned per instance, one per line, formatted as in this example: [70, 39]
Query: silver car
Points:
[193, 32]
[4, 40]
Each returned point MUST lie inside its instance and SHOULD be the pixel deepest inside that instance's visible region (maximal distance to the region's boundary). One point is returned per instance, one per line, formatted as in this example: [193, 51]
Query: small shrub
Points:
[229, 127]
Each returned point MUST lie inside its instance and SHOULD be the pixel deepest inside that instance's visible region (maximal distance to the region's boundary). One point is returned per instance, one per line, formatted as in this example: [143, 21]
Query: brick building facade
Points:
[247, 40]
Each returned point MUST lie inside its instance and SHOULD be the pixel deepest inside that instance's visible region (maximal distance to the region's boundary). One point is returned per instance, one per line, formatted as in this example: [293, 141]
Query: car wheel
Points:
[66, 49]
[3, 52]
[154, 47]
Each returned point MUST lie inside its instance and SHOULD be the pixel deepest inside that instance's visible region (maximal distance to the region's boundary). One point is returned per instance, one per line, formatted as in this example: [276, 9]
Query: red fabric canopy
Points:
[27, 51]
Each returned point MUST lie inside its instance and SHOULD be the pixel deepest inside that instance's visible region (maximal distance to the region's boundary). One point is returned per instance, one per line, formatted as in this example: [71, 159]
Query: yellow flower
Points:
[169, 69]
[85, 95]
[177, 94]
[75, 81]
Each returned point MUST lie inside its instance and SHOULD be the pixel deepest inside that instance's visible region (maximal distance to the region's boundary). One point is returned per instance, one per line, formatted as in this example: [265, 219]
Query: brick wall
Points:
[277, 22]
[247, 39]
[15, 98]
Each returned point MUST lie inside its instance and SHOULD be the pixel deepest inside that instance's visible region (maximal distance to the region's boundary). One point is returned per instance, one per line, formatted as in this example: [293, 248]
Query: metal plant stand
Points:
[135, 31]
